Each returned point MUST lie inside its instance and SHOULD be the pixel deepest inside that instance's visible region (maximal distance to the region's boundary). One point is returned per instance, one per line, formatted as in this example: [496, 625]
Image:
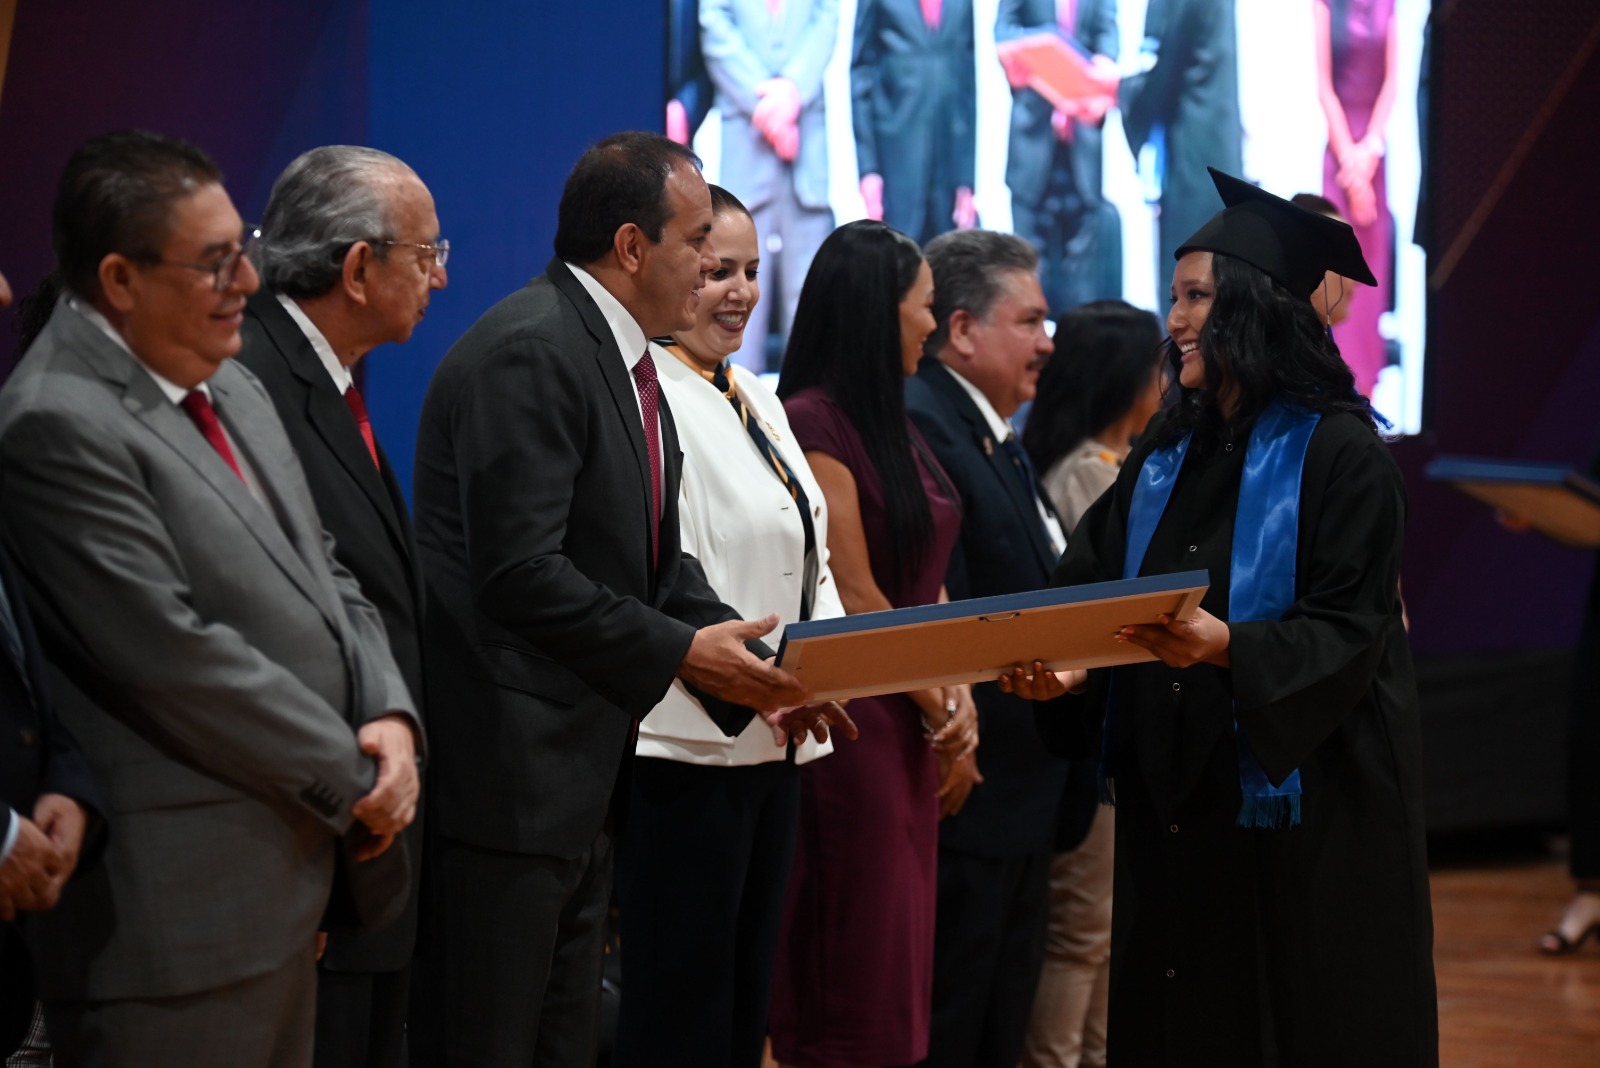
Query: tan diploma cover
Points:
[981, 639]
[1056, 68]
[1557, 502]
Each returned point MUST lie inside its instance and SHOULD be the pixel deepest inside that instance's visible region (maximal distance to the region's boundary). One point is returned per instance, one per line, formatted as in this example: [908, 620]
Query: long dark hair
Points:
[1271, 344]
[1106, 353]
[846, 339]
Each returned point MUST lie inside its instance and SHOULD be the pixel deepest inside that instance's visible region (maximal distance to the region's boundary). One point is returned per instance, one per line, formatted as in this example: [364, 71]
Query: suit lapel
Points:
[942, 379]
[326, 410]
[614, 370]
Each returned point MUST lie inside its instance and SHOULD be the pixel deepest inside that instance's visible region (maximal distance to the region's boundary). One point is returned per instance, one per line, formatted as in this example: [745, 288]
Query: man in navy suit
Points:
[982, 363]
[349, 257]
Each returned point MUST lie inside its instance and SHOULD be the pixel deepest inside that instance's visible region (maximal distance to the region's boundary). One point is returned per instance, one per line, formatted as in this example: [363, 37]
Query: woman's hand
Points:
[1182, 643]
[959, 735]
[1041, 685]
[957, 776]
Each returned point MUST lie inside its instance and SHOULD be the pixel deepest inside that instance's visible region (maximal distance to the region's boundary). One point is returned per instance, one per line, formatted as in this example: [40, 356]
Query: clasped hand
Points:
[391, 805]
[44, 856]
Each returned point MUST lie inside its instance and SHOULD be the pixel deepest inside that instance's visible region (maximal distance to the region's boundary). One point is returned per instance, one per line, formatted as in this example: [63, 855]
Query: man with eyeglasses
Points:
[228, 683]
[349, 254]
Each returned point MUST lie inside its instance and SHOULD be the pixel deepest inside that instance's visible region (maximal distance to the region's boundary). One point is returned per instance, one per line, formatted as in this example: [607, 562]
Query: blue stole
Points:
[1266, 534]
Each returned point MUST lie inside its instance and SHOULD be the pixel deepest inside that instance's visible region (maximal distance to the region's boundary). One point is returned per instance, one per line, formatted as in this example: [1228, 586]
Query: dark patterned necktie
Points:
[644, 375]
[358, 409]
[752, 426]
[198, 405]
[1021, 465]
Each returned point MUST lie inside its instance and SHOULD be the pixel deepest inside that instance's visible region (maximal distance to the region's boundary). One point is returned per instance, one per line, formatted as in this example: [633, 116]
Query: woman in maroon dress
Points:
[1356, 84]
[854, 980]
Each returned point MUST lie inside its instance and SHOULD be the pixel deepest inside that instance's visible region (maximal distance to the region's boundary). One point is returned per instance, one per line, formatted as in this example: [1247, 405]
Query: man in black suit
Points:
[546, 508]
[914, 86]
[349, 257]
[1053, 160]
[46, 797]
[983, 363]
[1182, 96]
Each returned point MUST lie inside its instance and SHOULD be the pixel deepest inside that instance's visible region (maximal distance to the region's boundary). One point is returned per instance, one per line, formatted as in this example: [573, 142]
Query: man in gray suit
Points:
[229, 685]
[766, 60]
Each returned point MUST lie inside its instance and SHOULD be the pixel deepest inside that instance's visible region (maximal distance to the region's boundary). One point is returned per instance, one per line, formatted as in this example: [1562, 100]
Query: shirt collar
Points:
[342, 378]
[170, 389]
[1002, 428]
[629, 334]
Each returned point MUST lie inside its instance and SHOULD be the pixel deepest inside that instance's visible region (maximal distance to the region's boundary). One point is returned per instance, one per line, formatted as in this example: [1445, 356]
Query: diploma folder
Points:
[1056, 68]
[1558, 502]
[981, 639]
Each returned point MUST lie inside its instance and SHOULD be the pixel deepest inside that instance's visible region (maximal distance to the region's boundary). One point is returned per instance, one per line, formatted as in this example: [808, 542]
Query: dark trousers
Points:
[361, 1019]
[988, 947]
[702, 875]
[1079, 242]
[1583, 747]
[515, 955]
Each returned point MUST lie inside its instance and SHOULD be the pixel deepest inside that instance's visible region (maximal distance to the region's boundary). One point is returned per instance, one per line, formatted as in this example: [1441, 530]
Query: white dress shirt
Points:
[342, 378]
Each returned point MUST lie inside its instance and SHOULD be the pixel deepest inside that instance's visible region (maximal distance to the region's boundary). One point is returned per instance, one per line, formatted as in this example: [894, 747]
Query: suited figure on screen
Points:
[1184, 101]
[766, 59]
[915, 104]
[1053, 161]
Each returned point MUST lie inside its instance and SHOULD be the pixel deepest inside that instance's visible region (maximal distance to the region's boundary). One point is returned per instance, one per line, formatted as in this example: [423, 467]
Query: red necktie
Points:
[1067, 16]
[358, 408]
[774, 9]
[644, 374]
[931, 10]
[198, 405]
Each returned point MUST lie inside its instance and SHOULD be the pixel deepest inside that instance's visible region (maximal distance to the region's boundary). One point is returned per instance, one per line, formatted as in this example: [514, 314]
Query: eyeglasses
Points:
[440, 250]
[225, 272]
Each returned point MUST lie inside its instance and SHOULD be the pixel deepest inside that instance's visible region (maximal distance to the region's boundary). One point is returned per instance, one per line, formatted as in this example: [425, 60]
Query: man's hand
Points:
[1182, 643]
[777, 110]
[63, 821]
[28, 878]
[795, 723]
[872, 195]
[392, 803]
[719, 664]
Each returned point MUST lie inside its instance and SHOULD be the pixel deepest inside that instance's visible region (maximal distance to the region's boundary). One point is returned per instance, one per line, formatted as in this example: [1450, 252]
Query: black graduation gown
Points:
[1296, 947]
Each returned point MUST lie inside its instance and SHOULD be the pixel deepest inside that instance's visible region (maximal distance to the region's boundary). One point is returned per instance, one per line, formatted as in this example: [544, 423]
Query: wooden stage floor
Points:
[1501, 1003]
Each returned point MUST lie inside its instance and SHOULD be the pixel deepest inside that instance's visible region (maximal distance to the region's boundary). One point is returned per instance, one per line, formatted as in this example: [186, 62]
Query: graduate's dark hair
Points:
[1106, 352]
[846, 339]
[1272, 345]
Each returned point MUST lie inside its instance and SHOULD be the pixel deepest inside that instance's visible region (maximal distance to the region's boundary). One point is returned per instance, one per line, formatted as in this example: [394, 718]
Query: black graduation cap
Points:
[1291, 245]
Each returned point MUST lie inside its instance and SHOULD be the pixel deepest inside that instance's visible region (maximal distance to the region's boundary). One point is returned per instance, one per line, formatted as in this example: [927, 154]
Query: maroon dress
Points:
[1359, 34]
[854, 983]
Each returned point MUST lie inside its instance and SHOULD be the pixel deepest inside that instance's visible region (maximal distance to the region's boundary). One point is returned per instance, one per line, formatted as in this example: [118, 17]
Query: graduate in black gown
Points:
[1271, 896]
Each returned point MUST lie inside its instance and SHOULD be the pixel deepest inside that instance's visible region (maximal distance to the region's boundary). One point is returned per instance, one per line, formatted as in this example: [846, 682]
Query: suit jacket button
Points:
[27, 736]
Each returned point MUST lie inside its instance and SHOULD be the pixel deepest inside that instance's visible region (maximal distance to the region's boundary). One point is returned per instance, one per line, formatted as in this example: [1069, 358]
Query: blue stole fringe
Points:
[1266, 534]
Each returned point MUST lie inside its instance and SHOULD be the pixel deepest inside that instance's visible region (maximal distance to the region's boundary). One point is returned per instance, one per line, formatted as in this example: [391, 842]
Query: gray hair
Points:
[325, 201]
[969, 268]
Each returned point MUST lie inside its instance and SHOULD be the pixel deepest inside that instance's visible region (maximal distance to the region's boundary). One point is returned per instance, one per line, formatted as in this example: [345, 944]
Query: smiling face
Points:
[1003, 353]
[172, 315]
[672, 271]
[729, 295]
[916, 318]
[400, 285]
[1193, 290]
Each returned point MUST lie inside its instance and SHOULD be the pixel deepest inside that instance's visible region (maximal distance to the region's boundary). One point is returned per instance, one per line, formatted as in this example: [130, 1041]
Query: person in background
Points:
[705, 864]
[1333, 297]
[1095, 396]
[854, 977]
[1272, 882]
[349, 257]
[766, 59]
[915, 114]
[981, 364]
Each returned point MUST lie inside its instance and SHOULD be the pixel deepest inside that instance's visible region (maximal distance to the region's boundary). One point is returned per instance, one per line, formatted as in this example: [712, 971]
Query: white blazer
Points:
[743, 527]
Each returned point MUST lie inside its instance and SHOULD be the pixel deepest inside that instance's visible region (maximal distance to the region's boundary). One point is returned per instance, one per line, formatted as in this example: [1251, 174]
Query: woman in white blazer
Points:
[704, 864]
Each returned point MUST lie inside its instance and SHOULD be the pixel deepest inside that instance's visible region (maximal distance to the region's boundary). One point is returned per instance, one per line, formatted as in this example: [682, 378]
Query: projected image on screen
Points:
[1085, 126]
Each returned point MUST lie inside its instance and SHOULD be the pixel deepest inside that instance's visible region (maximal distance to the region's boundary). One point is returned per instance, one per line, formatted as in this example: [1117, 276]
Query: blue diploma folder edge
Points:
[1527, 472]
[986, 606]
